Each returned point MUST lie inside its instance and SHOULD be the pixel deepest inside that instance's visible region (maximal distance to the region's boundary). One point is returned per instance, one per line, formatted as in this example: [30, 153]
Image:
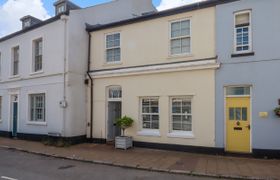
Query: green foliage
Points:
[277, 111]
[124, 123]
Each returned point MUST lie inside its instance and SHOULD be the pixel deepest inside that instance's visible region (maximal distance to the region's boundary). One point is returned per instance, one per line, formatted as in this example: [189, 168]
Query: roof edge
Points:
[35, 26]
[159, 14]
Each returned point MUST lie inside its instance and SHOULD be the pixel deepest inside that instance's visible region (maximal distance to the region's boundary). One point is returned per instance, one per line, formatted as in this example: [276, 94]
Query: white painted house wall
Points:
[70, 32]
[50, 81]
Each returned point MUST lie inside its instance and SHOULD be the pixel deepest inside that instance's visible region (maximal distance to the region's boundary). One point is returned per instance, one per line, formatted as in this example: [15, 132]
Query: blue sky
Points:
[48, 4]
[12, 10]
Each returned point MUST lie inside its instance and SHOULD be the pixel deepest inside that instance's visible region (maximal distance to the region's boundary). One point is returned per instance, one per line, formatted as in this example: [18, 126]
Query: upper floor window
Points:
[61, 9]
[242, 32]
[180, 37]
[15, 61]
[38, 55]
[26, 23]
[113, 48]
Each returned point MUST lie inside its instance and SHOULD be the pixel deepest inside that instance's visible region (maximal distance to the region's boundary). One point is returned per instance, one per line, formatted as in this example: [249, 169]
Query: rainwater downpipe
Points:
[63, 104]
[91, 84]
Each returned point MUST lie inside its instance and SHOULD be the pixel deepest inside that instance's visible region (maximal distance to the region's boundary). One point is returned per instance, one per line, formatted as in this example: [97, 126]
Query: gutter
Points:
[91, 85]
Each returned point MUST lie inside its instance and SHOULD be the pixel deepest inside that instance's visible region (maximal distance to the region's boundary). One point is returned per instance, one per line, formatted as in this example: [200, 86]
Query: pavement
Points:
[156, 160]
[16, 165]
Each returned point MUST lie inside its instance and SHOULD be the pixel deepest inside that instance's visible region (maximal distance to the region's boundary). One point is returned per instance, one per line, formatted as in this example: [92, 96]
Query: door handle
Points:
[249, 127]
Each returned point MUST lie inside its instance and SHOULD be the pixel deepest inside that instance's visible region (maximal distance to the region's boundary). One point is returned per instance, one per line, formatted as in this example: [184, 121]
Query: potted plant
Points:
[123, 142]
[277, 111]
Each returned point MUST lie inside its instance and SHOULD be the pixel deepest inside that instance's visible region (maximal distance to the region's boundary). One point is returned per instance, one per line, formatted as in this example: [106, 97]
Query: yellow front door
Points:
[238, 122]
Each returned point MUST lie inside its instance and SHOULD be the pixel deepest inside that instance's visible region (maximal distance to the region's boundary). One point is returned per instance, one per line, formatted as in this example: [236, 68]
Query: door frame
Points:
[225, 112]
[107, 100]
[11, 116]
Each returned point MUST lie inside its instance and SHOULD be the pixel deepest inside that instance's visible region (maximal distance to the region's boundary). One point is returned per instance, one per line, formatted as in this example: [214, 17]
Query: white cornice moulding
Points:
[153, 69]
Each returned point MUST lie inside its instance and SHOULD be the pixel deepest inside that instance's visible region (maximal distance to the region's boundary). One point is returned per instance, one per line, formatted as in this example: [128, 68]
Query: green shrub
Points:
[124, 123]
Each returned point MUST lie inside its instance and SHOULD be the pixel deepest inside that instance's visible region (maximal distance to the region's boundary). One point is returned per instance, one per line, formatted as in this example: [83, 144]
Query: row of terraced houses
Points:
[201, 77]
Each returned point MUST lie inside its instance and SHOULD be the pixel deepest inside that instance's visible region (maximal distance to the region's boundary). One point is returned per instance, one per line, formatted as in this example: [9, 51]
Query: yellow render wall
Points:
[147, 42]
[199, 84]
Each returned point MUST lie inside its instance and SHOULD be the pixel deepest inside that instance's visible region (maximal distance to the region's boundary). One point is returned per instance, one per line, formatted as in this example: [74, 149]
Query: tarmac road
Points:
[16, 165]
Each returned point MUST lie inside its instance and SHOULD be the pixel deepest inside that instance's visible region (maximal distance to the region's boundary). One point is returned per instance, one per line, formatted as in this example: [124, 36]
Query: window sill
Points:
[37, 123]
[36, 73]
[112, 63]
[242, 54]
[178, 56]
[14, 77]
[185, 135]
[147, 132]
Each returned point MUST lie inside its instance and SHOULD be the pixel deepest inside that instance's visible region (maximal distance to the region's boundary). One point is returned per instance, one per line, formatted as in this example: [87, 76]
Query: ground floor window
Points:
[150, 113]
[37, 107]
[181, 116]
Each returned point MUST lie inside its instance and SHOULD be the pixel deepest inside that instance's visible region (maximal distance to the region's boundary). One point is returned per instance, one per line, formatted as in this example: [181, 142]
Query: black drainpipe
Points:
[91, 85]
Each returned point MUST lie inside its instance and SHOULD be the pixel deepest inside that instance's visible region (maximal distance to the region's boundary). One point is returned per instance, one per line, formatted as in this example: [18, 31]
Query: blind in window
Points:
[242, 19]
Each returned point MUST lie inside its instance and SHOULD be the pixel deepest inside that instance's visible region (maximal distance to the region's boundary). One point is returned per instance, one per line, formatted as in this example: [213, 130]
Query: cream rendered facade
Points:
[147, 69]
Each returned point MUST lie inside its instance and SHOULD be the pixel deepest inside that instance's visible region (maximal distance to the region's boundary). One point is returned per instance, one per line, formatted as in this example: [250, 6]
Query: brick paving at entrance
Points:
[159, 160]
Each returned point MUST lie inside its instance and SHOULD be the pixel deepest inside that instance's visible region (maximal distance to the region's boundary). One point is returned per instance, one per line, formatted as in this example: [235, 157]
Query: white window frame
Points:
[116, 47]
[61, 9]
[250, 44]
[114, 99]
[141, 112]
[13, 61]
[34, 71]
[187, 36]
[180, 133]
[34, 121]
[27, 23]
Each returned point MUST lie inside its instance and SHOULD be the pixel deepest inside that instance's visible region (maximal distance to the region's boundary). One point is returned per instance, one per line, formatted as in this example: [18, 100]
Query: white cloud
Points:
[12, 10]
[167, 4]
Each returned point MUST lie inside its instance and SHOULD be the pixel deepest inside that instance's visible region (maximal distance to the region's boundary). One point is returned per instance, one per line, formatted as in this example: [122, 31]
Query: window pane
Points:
[186, 45]
[146, 121]
[155, 121]
[244, 114]
[117, 55]
[176, 46]
[185, 28]
[187, 127]
[177, 126]
[231, 113]
[175, 29]
[187, 119]
[110, 55]
[238, 91]
[238, 114]
[177, 118]
[115, 92]
[186, 107]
